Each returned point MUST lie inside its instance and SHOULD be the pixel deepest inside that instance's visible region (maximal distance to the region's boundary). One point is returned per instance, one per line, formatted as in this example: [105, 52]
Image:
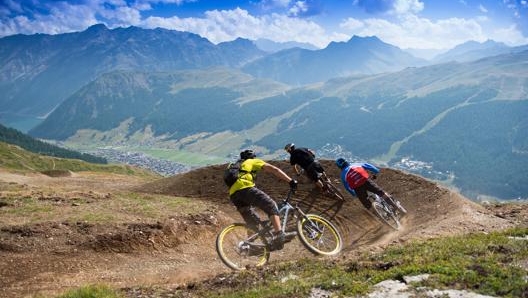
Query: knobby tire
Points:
[387, 217]
[334, 190]
[237, 256]
[331, 189]
[319, 235]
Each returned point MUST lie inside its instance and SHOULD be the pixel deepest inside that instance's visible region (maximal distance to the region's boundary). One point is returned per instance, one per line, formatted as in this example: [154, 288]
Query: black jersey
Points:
[302, 157]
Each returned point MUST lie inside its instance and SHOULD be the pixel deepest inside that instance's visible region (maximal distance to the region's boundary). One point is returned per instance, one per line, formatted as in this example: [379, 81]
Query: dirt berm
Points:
[51, 256]
[432, 209]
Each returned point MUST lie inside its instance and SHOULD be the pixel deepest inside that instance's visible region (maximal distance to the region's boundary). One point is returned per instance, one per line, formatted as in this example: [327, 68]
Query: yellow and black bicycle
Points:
[241, 247]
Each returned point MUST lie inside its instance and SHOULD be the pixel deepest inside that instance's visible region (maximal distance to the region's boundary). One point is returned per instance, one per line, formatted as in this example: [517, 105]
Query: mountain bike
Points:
[241, 247]
[329, 188]
[388, 210]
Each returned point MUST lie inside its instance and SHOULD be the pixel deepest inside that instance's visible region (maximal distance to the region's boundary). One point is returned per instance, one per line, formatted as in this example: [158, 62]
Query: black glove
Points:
[374, 177]
[293, 184]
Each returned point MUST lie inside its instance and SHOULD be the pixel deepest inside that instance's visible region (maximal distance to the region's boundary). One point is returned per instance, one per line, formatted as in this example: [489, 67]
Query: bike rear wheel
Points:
[386, 215]
[238, 250]
[333, 190]
[319, 235]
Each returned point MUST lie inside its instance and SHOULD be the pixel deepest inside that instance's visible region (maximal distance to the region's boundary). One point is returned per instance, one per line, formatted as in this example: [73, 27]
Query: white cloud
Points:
[226, 25]
[123, 16]
[408, 30]
[63, 17]
[414, 32]
[405, 30]
[510, 36]
[407, 6]
[298, 8]
[352, 25]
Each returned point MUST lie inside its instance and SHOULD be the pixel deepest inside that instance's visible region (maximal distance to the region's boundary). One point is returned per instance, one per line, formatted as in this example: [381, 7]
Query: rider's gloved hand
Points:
[374, 177]
[293, 184]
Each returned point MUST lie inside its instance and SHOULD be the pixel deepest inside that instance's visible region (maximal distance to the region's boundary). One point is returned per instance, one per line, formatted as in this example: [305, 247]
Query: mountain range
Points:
[461, 122]
[472, 50]
[359, 55]
[40, 71]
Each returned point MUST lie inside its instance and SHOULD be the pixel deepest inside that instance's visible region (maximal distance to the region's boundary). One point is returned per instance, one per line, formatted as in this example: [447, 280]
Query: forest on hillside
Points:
[15, 137]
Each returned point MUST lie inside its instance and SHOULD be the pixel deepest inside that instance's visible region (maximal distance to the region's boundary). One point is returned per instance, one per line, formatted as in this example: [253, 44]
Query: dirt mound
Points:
[51, 256]
[432, 208]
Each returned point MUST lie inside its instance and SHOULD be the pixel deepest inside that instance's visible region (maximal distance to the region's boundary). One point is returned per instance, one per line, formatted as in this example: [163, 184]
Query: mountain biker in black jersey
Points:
[245, 195]
[305, 159]
[357, 181]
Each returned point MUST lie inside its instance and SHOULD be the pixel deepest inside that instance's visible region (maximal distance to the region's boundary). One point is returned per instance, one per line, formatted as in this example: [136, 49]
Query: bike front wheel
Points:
[386, 215]
[239, 250]
[319, 235]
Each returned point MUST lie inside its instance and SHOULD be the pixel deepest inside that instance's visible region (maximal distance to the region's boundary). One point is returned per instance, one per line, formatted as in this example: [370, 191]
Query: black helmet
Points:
[341, 163]
[247, 154]
[289, 146]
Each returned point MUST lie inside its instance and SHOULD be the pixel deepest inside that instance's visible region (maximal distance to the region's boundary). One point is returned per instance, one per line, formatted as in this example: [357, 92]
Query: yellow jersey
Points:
[247, 174]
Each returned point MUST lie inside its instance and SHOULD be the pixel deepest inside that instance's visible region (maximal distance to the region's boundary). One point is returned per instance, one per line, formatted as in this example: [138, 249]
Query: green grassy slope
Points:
[15, 158]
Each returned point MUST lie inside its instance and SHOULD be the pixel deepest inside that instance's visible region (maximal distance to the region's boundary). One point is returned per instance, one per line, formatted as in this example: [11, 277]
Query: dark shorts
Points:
[254, 197]
[313, 170]
[361, 192]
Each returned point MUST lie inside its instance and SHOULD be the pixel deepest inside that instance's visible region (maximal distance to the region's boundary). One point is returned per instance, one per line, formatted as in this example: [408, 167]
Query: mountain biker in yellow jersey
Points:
[357, 181]
[245, 195]
[305, 159]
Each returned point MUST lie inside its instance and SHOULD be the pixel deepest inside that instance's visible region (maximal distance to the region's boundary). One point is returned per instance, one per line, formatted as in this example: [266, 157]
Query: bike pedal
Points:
[290, 234]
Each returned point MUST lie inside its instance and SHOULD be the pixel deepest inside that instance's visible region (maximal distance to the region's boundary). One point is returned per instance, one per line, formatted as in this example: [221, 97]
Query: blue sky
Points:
[416, 24]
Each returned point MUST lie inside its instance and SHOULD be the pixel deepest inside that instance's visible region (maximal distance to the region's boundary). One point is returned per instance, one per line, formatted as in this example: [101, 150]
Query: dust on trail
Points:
[51, 257]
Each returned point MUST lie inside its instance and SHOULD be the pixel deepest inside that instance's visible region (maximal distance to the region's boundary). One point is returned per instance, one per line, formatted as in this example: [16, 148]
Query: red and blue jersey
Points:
[356, 174]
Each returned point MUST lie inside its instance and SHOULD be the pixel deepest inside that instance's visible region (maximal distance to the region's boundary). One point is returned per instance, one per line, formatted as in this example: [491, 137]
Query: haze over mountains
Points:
[463, 121]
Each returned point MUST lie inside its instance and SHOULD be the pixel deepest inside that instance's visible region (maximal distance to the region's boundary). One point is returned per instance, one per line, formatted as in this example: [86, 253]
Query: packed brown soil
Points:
[49, 257]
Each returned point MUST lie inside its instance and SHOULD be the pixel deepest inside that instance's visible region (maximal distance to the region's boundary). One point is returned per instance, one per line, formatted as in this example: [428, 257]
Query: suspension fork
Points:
[284, 220]
[312, 224]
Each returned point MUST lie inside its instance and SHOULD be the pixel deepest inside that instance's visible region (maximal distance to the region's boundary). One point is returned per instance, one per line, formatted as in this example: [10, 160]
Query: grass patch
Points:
[489, 264]
[181, 156]
[17, 159]
[94, 208]
[92, 291]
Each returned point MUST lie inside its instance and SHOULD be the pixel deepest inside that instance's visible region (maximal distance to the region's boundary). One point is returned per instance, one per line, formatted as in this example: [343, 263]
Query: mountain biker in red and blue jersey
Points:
[357, 181]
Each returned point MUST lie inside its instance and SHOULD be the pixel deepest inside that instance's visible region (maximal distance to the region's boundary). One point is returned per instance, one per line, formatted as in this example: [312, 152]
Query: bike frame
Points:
[284, 213]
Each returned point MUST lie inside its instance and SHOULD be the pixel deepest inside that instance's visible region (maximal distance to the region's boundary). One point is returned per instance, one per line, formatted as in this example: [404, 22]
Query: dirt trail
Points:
[53, 256]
